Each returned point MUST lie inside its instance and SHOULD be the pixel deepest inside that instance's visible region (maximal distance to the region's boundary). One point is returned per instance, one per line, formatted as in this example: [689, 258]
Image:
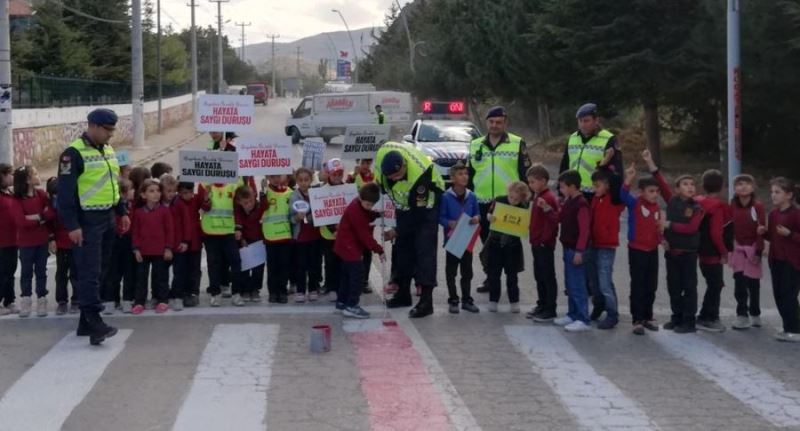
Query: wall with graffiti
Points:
[40, 144]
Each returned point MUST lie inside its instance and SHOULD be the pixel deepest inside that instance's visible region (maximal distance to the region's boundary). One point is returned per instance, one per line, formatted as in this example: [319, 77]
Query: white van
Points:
[328, 115]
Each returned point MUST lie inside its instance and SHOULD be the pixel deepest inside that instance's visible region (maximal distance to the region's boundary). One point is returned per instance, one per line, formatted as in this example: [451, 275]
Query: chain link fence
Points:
[42, 91]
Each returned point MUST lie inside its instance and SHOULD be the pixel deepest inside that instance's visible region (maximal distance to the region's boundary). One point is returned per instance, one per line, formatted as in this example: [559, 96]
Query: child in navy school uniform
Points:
[122, 273]
[458, 200]
[61, 246]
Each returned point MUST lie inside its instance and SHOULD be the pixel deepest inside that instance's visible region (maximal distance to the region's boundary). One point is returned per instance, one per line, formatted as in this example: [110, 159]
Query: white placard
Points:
[208, 166]
[253, 255]
[386, 208]
[329, 202]
[313, 152]
[363, 141]
[224, 113]
[259, 156]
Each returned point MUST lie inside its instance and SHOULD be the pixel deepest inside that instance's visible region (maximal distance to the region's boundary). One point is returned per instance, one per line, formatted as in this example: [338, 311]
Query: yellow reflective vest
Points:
[416, 164]
[494, 168]
[219, 220]
[585, 157]
[98, 185]
[275, 224]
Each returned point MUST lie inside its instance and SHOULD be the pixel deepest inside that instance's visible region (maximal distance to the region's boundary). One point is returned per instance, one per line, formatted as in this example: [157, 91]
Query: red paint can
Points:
[320, 339]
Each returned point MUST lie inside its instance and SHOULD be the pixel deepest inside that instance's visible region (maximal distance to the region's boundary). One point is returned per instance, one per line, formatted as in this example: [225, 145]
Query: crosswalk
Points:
[406, 378]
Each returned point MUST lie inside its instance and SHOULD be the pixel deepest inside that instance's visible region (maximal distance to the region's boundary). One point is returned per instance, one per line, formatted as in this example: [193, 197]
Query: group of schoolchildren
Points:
[694, 229]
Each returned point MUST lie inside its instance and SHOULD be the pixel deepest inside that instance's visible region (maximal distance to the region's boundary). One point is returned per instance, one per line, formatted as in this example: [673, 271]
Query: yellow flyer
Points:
[511, 220]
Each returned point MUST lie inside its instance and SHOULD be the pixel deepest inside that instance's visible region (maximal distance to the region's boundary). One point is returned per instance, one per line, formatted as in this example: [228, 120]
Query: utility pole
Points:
[6, 144]
[210, 64]
[298, 61]
[272, 61]
[158, 60]
[220, 77]
[137, 75]
[243, 25]
[734, 95]
[352, 43]
[194, 58]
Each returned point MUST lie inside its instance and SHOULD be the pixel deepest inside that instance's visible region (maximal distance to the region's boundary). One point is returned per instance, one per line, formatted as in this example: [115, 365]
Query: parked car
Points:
[445, 142]
[259, 91]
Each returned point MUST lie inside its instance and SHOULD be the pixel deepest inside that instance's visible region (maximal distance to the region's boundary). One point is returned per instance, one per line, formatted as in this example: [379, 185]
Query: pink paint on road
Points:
[399, 391]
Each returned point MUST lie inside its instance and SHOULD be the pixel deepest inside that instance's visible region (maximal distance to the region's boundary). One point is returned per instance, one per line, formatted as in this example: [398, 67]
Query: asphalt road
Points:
[250, 367]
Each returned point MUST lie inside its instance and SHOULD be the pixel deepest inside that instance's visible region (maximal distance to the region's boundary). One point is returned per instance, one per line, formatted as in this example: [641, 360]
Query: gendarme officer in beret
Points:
[495, 161]
[88, 198]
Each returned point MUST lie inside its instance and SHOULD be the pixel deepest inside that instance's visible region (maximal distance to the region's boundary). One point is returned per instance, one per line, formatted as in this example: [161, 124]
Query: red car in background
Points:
[259, 91]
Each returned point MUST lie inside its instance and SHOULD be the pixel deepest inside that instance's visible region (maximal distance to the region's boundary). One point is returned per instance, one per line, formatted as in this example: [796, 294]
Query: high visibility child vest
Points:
[219, 219]
[275, 223]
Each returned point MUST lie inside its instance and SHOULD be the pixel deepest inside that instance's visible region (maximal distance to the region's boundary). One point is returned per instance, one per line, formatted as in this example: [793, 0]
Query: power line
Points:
[86, 15]
[243, 25]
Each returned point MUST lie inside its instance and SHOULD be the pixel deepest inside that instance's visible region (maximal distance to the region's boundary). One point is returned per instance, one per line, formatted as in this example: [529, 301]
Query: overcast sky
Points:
[292, 19]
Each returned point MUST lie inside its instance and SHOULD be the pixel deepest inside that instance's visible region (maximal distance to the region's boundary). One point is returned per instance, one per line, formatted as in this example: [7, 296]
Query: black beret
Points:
[102, 117]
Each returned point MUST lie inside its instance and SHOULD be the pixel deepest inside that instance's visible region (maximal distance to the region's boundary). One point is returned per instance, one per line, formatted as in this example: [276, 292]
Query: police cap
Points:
[392, 163]
[102, 117]
[586, 109]
[496, 111]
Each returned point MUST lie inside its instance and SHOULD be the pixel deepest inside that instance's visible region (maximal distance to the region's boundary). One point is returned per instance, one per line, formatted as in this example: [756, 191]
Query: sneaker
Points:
[127, 307]
[332, 296]
[685, 329]
[563, 321]
[670, 326]
[577, 326]
[544, 317]
[255, 296]
[534, 311]
[25, 304]
[292, 288]
[638, 328]
[607, 323]
[468, 306]
[177, 304]
[313, 296]
[355, 312]
[4, 311]
[74, 308]
[596, 313]
[237, 300]
[137, 309]
[13, 308]
[339, 308]
[650, 325]
[453, 308]
[515, 307]
[108, 308]
[226, 291]
[299, 298]
[493, 307]
[787, 337]
[710, 325]
[188, 302]
[755, 321]
[61, 309]
[41, 307]
[215, 301]
[741, 323]
[161, 307]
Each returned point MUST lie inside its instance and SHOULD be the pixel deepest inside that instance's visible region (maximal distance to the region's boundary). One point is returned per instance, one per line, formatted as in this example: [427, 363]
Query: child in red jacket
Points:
[248, 214]
[716, 241]
[748, 247]
[605, 240]
[543, 235]
[153, 238]
[783, 234]
[33, 213]
[188, 253]
[8, 241]
[353, 237]
[61, 246]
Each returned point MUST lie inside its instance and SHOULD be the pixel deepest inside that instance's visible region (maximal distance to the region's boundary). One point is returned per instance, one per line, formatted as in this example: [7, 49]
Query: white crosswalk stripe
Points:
[596, 402]
[749, 384]
[45, 395]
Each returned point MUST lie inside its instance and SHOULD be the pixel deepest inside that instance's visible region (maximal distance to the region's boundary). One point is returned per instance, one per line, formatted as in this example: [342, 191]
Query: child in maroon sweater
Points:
[784, 256]
[188, 255]
[153, 239]
[543, 233]
[575, 222]
[353, 237]
[61, 246]
[748, 247]
[248, 214]
[307, 240]
[8, 241]
[33, 213]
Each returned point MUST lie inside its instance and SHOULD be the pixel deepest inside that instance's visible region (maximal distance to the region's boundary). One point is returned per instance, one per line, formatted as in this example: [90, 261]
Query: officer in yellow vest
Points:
[495, 161]
[591, 147]
[408, 177]
[381, 114]
[88, 198]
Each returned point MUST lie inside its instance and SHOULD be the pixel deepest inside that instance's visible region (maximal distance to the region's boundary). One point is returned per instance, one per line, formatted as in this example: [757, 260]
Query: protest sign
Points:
[123, 157]
[462, 237]
[224, 113]
[386, 208]
[259, 157]
[253, 255]
[362, 141]
[208, 166]
[313, 152]
[328, 203]
[511, 220]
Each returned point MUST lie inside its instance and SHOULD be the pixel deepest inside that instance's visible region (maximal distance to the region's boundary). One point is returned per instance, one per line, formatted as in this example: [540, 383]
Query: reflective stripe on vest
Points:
[98, 185]
[585, 157]
[496, 168]
[219, 219]
[416, 163]
[275, 223]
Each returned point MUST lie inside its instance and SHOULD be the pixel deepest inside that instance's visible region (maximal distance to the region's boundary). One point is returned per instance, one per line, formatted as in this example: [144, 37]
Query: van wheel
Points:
[295, 135]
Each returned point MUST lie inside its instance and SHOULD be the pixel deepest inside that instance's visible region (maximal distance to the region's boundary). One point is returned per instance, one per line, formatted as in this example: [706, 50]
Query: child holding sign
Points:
[307, 240]
[334, 177]
[248, 215]
[504, 251]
